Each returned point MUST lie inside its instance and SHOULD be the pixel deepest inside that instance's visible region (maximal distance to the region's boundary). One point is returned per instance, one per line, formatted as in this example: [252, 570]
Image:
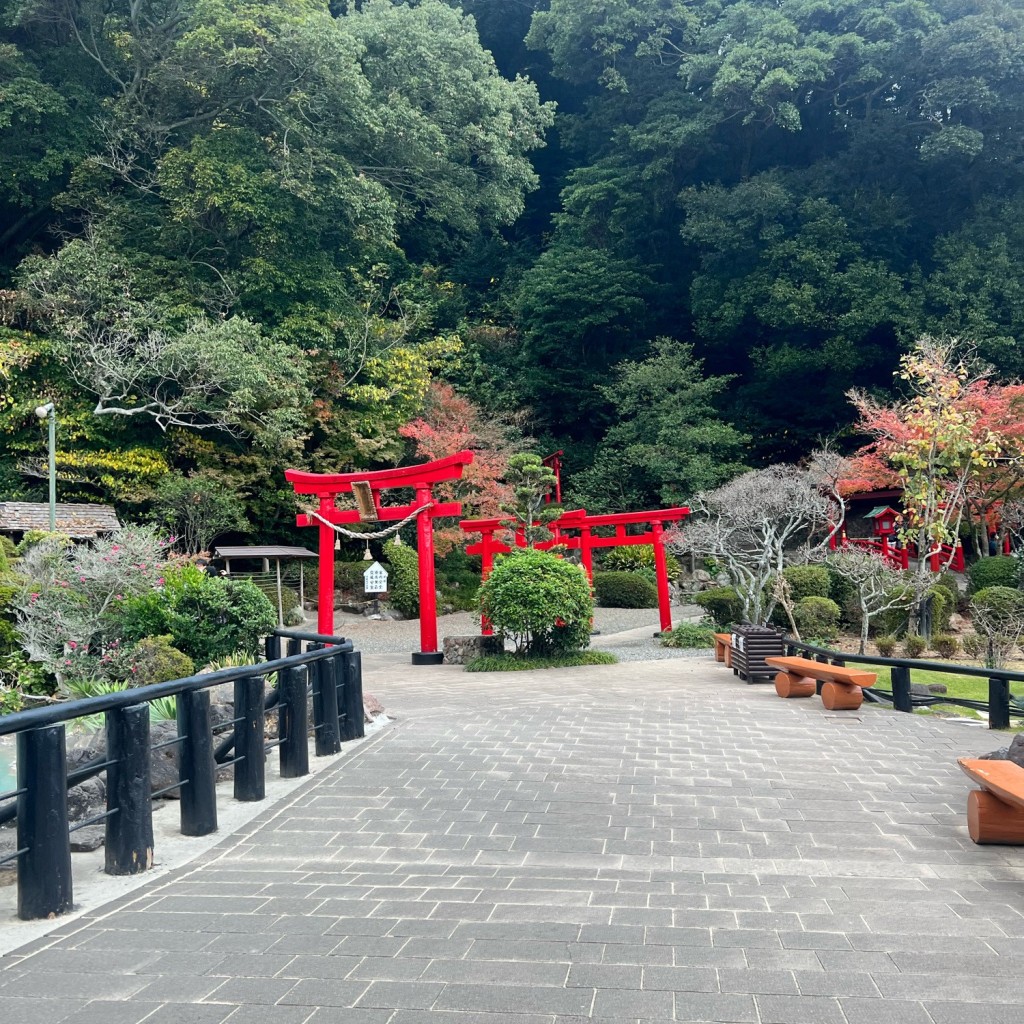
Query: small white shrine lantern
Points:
[375, 579]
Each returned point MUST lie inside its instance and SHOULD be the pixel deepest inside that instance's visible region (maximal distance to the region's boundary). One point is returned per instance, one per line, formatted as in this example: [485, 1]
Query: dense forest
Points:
[667, 237]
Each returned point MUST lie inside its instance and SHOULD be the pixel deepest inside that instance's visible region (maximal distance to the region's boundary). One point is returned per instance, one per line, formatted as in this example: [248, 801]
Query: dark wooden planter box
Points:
[750, 646]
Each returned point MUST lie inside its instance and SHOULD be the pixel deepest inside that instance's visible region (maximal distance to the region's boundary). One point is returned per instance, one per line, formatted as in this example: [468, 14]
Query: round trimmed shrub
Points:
[943, 605]
[807, 581]
[624, 590]
[914, 645]
[540, 602]
[817, 617]
[157, 660]
[723, 604]
[886, 645]
[688, 634]
[998, 571]
[946, 645]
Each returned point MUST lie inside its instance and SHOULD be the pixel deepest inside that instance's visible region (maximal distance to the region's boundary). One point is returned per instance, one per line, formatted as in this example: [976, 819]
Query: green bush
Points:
[156, 660]
[638, 557]
[624, 590]
[348, 576]
[30, 538]
[688, 634]
[949, 580]
[807, 581]
[403, 579]
[458, 580]
[540, 602]
[892, 622]
[8, 548]
[914, 645]
[886, 645]
[723, 604]
[844, 593]
[207, 617]
[943, 604]
[946, 645]
[998, 571]
[817, 617]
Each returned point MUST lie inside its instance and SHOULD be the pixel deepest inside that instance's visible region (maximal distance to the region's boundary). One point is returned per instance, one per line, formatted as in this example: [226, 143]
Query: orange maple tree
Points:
[449, 423]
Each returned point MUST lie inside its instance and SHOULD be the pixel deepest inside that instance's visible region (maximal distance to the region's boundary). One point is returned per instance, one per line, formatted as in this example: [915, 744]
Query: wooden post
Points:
[280, 601]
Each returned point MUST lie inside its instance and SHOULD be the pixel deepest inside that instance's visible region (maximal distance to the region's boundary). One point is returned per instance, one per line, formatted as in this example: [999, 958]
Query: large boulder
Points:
[458, 650]
[1014, 752]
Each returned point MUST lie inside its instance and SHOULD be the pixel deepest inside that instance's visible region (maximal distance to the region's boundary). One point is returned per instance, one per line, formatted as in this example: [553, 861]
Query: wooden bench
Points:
[723, 648]
[995, 813]
[843, 689]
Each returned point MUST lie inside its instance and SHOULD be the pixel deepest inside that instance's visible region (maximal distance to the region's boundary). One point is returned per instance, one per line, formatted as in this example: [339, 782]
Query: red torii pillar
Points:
[326, 486]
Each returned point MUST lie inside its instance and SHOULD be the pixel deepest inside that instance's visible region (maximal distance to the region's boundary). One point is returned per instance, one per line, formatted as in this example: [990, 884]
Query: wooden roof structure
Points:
[78, 521]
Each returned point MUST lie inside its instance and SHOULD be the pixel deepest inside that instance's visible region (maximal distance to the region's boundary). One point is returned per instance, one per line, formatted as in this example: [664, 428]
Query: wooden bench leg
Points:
[719, 651]
[840, 697]
[991, 820]
[787, 685]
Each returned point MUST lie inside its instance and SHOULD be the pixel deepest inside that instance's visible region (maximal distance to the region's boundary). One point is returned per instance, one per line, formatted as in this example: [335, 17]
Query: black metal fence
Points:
[1000, 707]
[328, 668]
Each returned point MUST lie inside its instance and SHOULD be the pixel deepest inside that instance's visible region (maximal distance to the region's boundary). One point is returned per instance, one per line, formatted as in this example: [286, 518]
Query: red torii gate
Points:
[577, 521]
[326, 486]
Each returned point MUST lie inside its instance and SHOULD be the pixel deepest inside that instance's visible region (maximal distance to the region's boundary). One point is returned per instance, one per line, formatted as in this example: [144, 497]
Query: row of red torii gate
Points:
[572, 531]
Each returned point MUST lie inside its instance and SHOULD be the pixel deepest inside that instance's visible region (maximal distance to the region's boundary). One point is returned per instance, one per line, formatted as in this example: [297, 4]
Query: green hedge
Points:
[999, 571]
[624, 590]
[403, 578]
[636, 557]
[723, 604]
[817, 617]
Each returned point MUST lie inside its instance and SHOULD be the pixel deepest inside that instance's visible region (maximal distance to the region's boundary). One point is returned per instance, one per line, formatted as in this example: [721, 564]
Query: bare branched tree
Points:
[757, 523]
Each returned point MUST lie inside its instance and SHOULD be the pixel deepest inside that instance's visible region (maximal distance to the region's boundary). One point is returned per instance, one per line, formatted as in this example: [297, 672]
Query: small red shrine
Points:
[366, 488]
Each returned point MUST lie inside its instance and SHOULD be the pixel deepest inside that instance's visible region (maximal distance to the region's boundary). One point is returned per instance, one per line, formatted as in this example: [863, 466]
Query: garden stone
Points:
[1014, 752]
[163, 763]
[458, 650]
[8, 844]
[921, 689]
[702, 576]
[92, 837]
[938, 688]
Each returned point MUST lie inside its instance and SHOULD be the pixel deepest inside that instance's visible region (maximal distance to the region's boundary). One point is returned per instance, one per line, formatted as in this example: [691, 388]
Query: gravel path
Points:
[626, 632]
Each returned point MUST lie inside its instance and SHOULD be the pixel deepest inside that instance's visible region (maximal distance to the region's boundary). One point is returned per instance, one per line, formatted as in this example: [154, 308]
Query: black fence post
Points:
[196, 767]
[325, 706]
[352, 727]
[250, 754]
[44, 868]
[294, 724]
[293, 647]
[999, 704]
[901, 699]
[272, 645]
[128, 848]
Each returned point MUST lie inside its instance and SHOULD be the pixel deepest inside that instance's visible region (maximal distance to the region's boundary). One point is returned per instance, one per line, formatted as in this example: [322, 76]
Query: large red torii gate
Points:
[326, 486]
[585, 541]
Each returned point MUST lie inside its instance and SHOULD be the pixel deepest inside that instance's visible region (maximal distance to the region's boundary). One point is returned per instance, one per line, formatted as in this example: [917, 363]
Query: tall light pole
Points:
[48, 412]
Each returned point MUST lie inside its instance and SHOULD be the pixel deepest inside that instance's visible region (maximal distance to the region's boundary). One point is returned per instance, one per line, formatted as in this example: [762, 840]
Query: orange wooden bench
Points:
[995, 813]
[843, 689]
[723, 648]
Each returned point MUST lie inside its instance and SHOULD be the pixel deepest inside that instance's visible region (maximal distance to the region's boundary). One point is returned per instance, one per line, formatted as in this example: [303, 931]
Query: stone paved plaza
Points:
[651, 841]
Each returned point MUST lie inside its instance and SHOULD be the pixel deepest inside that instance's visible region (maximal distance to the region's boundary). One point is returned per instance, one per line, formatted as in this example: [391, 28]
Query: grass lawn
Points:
[967, 687]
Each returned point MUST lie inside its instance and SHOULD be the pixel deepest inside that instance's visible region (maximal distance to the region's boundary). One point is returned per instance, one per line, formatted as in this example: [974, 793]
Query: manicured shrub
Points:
[723, 604]
[8, 547]
[156, 660]
[998, 571]
[688, 634]
[403, 579]
[817, 617]
[886, 645]
[942, 603]
[807, 581]
[540, 602]
[844, 593]
[637, 557]
[914, 645]
[219, 617]
[950, 581]
[946, 645]
[624, 590]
